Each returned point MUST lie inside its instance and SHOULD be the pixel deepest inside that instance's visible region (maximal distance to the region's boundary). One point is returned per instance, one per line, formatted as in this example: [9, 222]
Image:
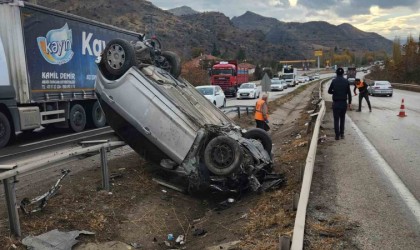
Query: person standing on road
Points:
[341, 93]
[363, 93]
[261, 113]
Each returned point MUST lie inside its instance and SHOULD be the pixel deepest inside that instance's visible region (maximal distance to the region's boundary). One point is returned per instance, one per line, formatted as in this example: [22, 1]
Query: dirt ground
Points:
[138, 210]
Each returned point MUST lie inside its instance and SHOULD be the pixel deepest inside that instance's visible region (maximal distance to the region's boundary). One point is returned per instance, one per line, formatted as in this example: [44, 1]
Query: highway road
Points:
[396, 139]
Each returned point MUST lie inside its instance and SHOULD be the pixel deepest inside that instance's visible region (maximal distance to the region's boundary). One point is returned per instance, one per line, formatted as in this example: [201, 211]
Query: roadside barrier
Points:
[8, 174]
[299, 226]
[238, 109]
[402, 109]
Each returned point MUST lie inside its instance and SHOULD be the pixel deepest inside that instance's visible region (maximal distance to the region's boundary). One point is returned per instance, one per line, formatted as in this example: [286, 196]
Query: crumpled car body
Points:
[165, 119]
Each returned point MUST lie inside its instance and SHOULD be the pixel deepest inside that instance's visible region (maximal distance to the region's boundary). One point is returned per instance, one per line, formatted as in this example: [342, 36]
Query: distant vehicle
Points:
[277, 84]
[351, 73]
[248, 90]
[380, 88]
[316, 76]
[228, 76]
[307, 79]
[214, 94]
[289, 74]
[300, 79]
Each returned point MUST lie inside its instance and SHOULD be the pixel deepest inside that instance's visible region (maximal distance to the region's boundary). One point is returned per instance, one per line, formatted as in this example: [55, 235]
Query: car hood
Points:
[245, 90]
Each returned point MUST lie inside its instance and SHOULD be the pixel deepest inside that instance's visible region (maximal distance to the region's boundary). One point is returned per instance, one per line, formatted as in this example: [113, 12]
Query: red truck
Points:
[228, 76]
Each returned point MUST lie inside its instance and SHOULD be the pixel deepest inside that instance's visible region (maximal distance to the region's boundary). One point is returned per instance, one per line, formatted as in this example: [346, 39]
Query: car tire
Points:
[215, 104]
[5, 130]
[174, 61]
[224, 103]
[117, 58]
[262, 136]
[390, 95]
[97, 116]
[77, 118]
[223, 155]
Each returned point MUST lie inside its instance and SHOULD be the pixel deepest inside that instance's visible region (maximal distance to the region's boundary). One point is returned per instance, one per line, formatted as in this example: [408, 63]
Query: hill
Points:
[182, 11]
[259, 39]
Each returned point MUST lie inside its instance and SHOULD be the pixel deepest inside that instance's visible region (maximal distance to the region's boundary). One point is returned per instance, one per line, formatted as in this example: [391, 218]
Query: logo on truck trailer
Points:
[56, 46]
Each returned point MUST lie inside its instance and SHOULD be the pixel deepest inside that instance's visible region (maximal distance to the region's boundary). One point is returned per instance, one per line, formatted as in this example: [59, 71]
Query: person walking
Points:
[363, 93]
[261, 113]
[341, 93]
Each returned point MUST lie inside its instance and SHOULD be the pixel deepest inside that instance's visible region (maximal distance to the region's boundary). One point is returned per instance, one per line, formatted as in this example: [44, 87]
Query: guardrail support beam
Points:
[10, 195]
[105, 170]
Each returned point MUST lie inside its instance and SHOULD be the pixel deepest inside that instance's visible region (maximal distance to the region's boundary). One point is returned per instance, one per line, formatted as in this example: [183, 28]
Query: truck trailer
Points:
[48, 70]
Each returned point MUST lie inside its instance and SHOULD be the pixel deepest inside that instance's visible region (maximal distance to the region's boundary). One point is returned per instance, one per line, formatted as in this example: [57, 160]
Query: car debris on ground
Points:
[54, 240]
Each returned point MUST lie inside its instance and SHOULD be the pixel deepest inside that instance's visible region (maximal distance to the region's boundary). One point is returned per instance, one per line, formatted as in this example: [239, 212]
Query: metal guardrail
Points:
[299, 227]
[8, 177]
[238, 109]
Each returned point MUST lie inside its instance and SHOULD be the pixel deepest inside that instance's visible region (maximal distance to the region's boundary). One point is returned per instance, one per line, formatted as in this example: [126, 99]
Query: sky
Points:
[389, 18]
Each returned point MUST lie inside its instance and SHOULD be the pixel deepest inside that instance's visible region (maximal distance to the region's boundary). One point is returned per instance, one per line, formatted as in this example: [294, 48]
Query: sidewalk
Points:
[348, 189]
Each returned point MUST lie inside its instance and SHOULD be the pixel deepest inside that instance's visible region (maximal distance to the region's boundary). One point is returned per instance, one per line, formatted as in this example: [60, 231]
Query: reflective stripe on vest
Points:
[258, 110]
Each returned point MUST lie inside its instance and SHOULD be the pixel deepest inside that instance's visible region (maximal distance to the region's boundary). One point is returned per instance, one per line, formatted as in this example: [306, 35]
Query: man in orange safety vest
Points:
[261, 113]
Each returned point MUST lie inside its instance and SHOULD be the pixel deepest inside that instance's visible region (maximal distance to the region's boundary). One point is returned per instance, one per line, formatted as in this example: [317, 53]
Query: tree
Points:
[241, 55]
[396, 50]
[258, 73]
[215, 51]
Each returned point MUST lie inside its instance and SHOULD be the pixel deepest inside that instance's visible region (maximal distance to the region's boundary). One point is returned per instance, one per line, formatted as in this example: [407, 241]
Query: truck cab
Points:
[224, 74]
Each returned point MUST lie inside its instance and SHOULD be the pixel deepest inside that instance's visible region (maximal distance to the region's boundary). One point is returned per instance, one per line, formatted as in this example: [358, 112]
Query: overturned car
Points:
[164, 118]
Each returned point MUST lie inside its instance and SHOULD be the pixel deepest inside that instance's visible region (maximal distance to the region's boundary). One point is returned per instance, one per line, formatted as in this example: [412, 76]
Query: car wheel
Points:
[77, 118]
[223, 155]
[260, 135]
[224, 103]
[5, 130]
[214, 102]
[117, 58]
[174, 63]
[97, 116]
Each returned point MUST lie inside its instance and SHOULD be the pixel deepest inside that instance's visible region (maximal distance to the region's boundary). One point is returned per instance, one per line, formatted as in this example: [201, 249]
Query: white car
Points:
[277, 84]
[214, 94]
[300, 79]
[248, 90]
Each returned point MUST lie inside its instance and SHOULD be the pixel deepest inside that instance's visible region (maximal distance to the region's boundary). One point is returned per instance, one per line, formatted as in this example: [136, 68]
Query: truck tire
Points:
[174, 63]
[262, 136]
[117, 58]
[223, 155]
[77, 118]
[5, 130]
[97, 116]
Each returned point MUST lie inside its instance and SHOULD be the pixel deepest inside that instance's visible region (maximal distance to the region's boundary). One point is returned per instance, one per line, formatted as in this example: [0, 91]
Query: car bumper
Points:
[382, 92]
[245, 95]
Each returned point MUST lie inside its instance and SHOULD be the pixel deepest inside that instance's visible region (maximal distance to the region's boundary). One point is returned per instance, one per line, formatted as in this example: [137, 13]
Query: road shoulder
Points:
[351, 203]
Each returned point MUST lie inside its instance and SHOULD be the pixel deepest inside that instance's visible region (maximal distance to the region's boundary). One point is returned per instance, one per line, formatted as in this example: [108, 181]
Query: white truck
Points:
[289, 74]
[48, 70]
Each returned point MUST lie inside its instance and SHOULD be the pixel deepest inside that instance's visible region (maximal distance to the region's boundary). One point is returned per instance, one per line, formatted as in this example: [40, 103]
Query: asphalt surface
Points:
[369, 176]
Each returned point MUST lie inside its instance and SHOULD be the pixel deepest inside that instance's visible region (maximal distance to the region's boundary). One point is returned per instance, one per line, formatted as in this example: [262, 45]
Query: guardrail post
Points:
[10, 194]
[105, 171]
[247, 110]
[239, 111]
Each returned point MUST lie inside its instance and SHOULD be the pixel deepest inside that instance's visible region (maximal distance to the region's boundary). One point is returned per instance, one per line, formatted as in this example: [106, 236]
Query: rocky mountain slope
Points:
[262, 39]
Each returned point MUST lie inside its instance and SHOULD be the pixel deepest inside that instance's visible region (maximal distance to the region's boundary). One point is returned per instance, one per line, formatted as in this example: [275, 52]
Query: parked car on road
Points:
[380, 88]
[277, 85]
[166, 120]
[214, 94]
[248, 90]
[316, 76]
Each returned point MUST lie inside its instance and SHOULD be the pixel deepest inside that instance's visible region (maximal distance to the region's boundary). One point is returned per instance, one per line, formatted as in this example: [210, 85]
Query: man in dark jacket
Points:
[363, 93]
[340, 90]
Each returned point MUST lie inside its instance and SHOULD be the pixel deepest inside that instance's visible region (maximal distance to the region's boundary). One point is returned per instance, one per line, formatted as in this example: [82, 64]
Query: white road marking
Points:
[405, 194]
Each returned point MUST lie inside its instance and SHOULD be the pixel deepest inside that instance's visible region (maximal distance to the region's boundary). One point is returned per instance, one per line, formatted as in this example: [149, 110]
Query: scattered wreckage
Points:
[164, 118]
